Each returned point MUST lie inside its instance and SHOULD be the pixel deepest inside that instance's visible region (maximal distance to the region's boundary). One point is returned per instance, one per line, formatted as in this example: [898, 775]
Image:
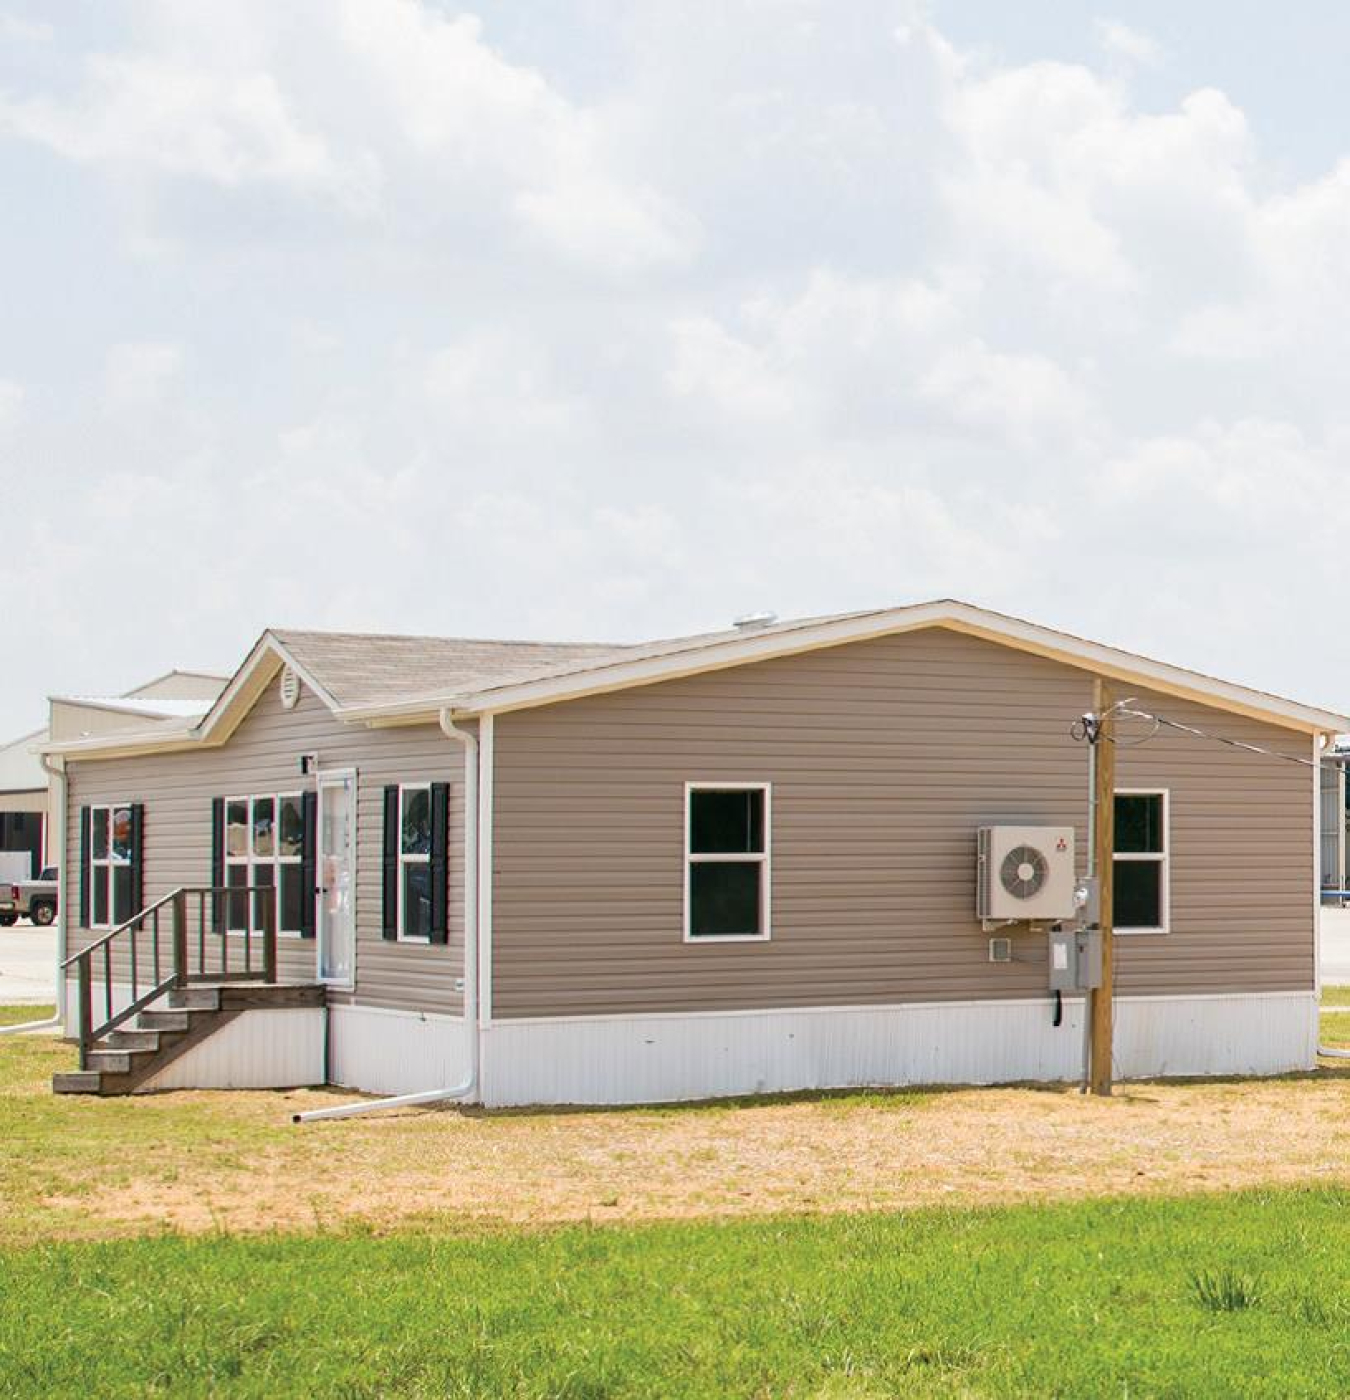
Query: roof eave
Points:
[1084, 655]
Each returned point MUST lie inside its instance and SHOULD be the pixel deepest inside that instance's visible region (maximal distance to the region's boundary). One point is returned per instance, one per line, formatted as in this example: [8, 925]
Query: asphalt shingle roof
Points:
[358, 668]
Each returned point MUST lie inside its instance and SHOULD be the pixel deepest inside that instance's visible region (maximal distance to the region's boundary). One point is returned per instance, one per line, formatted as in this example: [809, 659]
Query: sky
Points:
[615, 320]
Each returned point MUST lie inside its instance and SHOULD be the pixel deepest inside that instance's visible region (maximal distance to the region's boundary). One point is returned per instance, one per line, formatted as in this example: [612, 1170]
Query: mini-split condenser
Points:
[1025, 874]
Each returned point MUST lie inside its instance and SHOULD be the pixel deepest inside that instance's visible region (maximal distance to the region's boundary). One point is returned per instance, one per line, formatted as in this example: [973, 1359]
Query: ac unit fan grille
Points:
[1023, 872]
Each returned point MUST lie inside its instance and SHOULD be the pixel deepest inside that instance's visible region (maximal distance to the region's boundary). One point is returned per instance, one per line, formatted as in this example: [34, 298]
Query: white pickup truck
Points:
[34, 899]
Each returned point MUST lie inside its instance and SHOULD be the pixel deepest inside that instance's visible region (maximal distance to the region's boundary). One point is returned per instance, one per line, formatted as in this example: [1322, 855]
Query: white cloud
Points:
[179, 118]
[1120, 41]
[394, 112]
[12, 397]
[137, 374]
[619, 324]
[16, 30]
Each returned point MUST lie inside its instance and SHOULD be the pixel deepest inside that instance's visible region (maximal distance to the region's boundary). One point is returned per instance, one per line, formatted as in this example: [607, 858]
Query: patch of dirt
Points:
[969, 1146]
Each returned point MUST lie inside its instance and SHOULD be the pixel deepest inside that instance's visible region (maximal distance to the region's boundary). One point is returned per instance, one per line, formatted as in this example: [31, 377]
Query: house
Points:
[25, 800]
[731, 863]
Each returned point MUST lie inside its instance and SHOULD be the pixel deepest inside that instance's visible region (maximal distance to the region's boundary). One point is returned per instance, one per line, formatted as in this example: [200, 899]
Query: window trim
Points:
[763, 858]
[105, 865]
[1162, 858]
[249, 860]
[405, 859]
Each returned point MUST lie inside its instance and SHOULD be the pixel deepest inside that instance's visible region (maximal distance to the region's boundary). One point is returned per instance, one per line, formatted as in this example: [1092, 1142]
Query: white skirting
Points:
[664, 1058]
[279, 1048]
[395, 1052]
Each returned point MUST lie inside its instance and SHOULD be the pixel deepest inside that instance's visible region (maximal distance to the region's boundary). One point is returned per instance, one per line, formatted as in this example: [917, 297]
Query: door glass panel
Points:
[337, 911]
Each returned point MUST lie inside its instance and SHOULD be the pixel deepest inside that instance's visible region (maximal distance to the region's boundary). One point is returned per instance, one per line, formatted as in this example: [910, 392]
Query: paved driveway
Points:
[27, 964]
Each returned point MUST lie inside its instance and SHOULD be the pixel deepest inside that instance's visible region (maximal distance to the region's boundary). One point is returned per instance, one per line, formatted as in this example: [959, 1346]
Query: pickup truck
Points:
[34, 898]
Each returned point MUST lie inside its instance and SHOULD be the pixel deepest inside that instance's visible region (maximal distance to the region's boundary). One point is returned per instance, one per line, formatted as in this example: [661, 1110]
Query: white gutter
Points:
[56, 773]
[469, 1084]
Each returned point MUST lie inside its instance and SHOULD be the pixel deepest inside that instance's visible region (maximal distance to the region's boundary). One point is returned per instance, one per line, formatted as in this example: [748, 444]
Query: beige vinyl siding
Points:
[885, 756]
[261, 757]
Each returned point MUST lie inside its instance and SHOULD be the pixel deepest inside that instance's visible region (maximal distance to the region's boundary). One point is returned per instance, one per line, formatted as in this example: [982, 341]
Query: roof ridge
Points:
[281, 633]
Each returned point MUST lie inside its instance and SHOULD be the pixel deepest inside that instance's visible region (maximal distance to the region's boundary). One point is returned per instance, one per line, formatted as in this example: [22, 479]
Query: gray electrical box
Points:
[1075, 959]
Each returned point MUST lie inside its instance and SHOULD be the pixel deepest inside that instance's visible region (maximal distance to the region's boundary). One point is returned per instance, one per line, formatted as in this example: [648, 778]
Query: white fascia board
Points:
[959, 617]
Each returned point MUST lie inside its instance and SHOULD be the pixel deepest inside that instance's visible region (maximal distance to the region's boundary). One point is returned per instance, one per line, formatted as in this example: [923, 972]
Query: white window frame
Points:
[1161, 858]
[764, 858]
[102, 868]
[411, 859]
[276, 860]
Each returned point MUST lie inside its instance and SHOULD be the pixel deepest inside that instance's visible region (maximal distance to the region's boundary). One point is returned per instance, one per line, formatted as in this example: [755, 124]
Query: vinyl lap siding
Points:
[263, 756]
[884, 756]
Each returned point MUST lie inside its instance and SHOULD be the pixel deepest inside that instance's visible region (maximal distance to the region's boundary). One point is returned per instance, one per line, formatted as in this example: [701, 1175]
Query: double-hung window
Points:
[414, 863]
[726, 861]
[111, 841]
[1140, 871]
[264, 840]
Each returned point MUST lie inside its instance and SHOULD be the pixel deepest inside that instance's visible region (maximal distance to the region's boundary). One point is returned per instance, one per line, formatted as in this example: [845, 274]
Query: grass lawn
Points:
[1209, 1296]
[1180, 1239]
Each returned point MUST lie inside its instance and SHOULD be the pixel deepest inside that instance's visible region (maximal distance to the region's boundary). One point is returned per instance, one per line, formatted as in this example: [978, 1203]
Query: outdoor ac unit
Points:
[1025, 873]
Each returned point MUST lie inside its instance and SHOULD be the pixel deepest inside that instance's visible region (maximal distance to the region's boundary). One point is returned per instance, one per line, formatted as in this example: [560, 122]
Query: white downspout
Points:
[57, 773]
[470, 1083]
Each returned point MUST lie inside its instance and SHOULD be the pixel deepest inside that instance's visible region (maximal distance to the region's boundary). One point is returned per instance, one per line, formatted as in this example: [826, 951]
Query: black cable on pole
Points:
[1088, 727]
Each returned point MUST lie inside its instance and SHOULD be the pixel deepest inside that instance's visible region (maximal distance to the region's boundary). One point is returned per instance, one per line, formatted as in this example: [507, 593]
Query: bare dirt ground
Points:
[233, 1161]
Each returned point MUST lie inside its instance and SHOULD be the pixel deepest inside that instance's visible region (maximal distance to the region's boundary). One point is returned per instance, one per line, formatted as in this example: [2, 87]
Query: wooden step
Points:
[138, 1039]
[129, 1057]
[118, 1061]
[164, 1020]
[76, 1081]
[195, 999]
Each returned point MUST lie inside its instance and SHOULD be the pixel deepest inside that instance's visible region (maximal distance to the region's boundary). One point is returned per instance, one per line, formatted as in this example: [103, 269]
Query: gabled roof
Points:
[383, 680]
[357, 668]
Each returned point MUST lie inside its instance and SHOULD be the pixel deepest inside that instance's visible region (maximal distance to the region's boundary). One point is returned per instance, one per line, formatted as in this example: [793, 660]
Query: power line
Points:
[1088, 728]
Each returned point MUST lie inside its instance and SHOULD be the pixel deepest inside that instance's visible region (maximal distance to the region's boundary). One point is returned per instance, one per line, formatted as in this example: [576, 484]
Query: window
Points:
[414, 863]
[1140, 870]
[263, 841]
[110, 861]
[726, 861]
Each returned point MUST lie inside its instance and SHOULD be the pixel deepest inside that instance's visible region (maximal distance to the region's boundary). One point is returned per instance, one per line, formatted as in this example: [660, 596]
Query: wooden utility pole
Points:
[1104, 849]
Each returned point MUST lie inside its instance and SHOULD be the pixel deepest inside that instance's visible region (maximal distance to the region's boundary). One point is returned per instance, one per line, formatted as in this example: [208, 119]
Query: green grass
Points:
[1209, 1296]
[1334, 1029]
[1336, 996]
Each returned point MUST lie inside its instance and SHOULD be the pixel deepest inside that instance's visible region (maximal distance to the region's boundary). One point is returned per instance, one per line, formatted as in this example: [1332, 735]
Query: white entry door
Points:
[337, 876]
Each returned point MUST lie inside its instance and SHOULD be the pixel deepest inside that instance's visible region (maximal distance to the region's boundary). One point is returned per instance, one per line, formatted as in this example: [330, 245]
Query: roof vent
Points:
[749, 622]
[290, 688]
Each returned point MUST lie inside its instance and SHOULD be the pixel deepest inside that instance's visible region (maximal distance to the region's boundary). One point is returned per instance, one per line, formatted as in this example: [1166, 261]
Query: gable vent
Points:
[290, 688]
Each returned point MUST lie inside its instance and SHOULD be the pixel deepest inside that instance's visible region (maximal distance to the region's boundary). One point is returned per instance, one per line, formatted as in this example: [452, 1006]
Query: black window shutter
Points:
[440, 862]
[137, 857]
[309, 844]
[217, 861]
[389, 925]
[85, 873]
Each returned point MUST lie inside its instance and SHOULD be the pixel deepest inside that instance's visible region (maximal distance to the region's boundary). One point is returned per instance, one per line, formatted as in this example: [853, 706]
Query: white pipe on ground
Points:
[56, 842]
[464, 1089]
